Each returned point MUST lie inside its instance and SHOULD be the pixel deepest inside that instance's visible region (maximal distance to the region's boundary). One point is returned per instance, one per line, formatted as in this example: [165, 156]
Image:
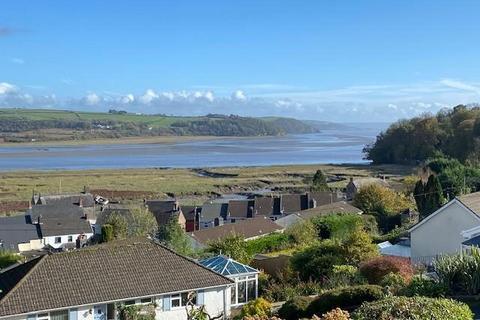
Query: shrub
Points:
[344, 275]
[404, 308]
[258, 307]
[279, 290]
[336, 314]
[346, 298]
[336, 226]
[295, 308]
[422, 286]
[393, 283]
[269, 243]
[233, 246]
[8, 258]
[107, 233]
[316, 262]
[359, 247]
[302, 233]
[376, 269]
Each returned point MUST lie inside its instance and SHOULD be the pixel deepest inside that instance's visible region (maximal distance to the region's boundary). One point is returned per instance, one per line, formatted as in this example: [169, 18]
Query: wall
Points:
[51, 240]
[441, 234]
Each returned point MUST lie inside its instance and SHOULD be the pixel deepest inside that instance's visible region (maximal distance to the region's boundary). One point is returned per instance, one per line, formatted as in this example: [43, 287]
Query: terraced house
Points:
[101, 282]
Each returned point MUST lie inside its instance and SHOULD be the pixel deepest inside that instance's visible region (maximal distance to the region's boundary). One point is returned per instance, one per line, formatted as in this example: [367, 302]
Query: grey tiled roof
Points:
[68, 199]
[109, 272]
[15, 230]
[472, 201]
[60, 220]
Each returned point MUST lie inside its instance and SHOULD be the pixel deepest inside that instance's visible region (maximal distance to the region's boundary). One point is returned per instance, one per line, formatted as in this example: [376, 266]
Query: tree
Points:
[233, 246]
[359, 247]
[302, 233]
[319, 182]
[119, 225]
[173, 236]
[428, 196]
[142, 222]
[107, 233]
[8, 258]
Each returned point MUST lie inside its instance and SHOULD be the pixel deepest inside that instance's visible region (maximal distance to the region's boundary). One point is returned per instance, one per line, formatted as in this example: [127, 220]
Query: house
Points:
[245, 277]
[267, 206]
[249, 229]
[213, 214]
[192, 216]
[320, 198]
[164, 210]
[19, 234]
[95, 283]
[356, 184]
[332, 208]
[441, 232]
[107, 210]
[86, 201]
[400, 249]
[61, 225]
[291, 203]
[240, 210]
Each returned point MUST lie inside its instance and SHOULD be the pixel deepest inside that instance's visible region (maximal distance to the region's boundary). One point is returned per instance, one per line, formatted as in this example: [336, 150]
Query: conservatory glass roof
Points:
[226, 266]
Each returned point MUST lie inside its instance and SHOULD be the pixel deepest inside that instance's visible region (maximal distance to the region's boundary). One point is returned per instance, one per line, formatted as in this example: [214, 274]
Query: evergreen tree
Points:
[173, 236]
[319, 182]
[433, 195]
[419, 195]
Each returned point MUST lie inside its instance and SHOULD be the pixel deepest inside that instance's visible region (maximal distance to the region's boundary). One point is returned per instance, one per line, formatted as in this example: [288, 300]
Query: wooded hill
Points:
[27, 124]
[453, 133]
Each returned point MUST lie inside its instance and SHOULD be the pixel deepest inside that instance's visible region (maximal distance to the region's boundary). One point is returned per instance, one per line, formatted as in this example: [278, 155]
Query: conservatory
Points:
[245, 277]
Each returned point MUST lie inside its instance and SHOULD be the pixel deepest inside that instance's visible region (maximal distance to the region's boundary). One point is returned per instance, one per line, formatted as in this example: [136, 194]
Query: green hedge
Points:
[418, 308]
[347, 298]
[269, 243]
[295, 308]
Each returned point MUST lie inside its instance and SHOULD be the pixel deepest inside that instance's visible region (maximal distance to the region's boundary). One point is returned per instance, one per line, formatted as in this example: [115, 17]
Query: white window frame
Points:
[55, 239]
[245, 279]
[178, 296]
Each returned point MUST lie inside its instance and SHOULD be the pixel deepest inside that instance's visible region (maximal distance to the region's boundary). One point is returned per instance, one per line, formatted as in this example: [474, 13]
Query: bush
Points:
[302, 233]
[258, 307]
[269, 243]
[284, 289]
[346, 298]
[8, 258]
[423, 286]
[359, 247]
[343, 276]
[376, 269]
[403, 308]
[316, 262]
[107, 233]
[336, 314]
[295, 308]
[393, 283]
[337, 226]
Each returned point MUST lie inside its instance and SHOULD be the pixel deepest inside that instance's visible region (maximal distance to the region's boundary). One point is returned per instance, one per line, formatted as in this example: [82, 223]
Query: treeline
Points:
[211, 125]
[452, 133]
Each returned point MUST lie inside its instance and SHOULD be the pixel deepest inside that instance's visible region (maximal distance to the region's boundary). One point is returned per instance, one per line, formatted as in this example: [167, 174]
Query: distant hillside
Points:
[18, 125]
[326, 125]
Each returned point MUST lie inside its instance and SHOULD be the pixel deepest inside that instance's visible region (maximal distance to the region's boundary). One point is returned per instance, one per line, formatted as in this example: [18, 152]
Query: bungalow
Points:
[267, 206]
[213, 214]
[441, 232]
[100, 282]
[249, 229]
[164, 210]
[240, 210]
[245, 277]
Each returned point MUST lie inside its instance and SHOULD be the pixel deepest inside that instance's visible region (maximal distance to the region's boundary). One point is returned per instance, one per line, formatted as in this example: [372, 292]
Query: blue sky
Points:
[327, 60]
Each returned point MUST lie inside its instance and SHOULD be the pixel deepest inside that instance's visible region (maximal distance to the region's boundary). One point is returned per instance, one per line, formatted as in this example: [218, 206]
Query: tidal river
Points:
[329, 146]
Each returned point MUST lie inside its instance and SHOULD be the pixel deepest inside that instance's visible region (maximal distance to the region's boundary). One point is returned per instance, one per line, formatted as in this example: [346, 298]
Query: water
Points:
[329, 146]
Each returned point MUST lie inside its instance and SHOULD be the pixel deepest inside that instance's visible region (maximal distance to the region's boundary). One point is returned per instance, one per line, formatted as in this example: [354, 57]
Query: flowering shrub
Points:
[336, 314]
[376, 269]
[257, 307]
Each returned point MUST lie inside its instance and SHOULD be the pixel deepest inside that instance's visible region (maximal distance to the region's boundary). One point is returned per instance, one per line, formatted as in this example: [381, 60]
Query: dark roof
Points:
[248, 228]
[472, 201]
[267, 206]
[163, 210]
[227, 266]
[294, 202]
[240, 208]
[324, 197]
[336, 207]
[15, 230]
[108, 272]
[12, 275]
[60, 220]
[190, 212]
[86, 199]
[212, 210]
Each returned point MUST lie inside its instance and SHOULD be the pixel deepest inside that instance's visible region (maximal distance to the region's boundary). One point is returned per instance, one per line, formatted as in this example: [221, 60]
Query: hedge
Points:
[295, 308]
[347, 298]
[419, 308]
[376, 269]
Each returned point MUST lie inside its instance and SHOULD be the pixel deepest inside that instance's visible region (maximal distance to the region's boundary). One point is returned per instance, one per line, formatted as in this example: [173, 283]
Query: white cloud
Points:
[6, 88]
[129, 98]
[455, 84]
[239, 95]
[149, 96]
[92, 99]
[392, 106]
[18, 60]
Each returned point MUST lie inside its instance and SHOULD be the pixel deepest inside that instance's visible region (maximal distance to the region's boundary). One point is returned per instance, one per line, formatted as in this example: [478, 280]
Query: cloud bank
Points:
[367, 103]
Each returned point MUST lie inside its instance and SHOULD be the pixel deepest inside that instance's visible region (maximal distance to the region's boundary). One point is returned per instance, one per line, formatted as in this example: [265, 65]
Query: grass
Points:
[185, 184]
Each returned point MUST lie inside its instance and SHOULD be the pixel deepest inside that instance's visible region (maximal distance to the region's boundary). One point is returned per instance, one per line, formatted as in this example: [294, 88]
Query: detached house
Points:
[444, 231]
[97, 282]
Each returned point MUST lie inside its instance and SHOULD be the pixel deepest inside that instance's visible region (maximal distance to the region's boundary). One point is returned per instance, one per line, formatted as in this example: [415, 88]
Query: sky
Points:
[347, 61]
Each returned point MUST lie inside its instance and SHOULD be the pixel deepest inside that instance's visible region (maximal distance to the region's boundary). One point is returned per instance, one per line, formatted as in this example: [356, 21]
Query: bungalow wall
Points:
[64, 239]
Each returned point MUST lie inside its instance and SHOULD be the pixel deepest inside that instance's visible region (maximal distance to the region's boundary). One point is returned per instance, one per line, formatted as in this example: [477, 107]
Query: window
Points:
[59, 315]
[245, 290]
[58, 239]
[181, 299]
[129, 302]
[146, 300]
[70, 238]
[42, 316]
[242, 293]
[234, 294]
